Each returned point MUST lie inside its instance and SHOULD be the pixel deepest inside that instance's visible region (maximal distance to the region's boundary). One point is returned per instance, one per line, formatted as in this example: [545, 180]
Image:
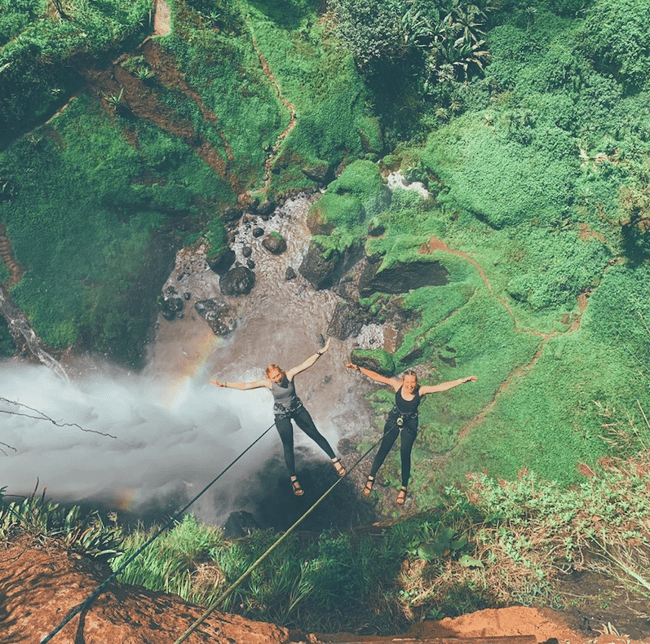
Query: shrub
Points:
[44, 521]
[616, 37]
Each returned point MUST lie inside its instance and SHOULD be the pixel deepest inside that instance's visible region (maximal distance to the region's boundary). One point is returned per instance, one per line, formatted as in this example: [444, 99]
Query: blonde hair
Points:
[410, 372]
[271, 367]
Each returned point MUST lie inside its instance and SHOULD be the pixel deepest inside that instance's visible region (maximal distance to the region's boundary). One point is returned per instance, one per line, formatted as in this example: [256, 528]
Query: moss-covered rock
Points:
[357, 195]
[275, 243]
[319, 264]
[377, 360]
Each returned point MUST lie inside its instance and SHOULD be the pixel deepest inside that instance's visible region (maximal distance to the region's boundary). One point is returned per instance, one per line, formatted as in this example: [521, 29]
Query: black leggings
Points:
[304, 421]
[408, 435]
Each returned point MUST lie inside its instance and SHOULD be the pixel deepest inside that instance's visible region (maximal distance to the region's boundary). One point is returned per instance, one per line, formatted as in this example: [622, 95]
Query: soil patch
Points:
[40, 585]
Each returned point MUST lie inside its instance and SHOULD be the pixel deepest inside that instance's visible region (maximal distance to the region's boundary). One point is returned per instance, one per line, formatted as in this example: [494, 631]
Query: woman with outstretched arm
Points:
[287, 407]
[402, 419]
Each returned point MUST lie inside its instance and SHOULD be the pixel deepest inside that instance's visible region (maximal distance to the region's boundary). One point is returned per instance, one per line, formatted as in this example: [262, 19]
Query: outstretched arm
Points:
[243, 385]
[444, 386]
[309, 362]
[377, 377]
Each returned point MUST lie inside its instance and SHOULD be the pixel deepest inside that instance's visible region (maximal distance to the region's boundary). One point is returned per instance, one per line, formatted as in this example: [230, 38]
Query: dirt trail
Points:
[162, 19]
[292, 113]
[116, 89]
[434, 244]
[7, 255]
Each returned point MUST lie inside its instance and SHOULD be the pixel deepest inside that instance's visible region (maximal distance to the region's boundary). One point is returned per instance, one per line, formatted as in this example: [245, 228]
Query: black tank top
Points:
[407, 406]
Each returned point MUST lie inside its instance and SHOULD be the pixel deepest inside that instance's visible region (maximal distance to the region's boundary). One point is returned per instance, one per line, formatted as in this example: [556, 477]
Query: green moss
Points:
[356, 196]
[36, 47]
[216, 237]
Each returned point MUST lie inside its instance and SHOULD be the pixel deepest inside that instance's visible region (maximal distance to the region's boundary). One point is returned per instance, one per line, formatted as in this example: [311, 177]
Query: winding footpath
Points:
[435, 244]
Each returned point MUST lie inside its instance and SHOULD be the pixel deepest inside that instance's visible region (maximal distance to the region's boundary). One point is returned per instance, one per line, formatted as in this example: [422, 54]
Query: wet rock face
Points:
[220, 317]
[237, 281]
[239, 524]
[222, 263]
[318, 266]
[346, 321]
[402, 277]
[171, 307]
[274, 243]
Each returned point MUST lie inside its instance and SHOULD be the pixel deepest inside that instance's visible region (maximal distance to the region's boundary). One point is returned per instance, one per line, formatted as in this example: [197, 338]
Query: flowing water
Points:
[174, 431]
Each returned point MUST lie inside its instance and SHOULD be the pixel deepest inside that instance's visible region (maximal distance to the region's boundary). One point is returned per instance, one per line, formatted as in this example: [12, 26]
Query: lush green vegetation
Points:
[137, 183]
[537, 166]
[48, 523]
[496, 543]
[537, 173]
[491, 544]
[39, 42]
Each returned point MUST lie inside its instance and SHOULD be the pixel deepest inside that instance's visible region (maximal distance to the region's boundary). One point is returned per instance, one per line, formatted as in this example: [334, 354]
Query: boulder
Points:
[232, 214]
[290, 274]
[402, 277]
[265, 210]
[346, 321]
[222, 262]
[258, 232]
[377, 360]
[237, 281]
[274, 243]
[318, 172]
[319, 265]
[170, 307]
[221, 317]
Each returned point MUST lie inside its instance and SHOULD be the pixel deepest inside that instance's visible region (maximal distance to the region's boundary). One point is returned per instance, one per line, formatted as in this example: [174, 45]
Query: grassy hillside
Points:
[537, 173]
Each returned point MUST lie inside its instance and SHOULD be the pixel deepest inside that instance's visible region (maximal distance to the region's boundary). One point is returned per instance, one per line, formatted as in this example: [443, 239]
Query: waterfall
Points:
[174, 430]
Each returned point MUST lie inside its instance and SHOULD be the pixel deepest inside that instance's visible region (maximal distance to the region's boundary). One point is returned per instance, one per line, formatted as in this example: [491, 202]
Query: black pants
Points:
[304, 421]
[408, 435]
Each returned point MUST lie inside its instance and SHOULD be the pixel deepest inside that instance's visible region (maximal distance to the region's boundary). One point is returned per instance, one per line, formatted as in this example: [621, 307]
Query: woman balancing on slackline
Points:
[402, 419]
[287, 407]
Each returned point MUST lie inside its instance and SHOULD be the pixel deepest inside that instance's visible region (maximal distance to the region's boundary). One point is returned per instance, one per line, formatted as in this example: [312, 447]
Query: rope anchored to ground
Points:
[100, 589]
[216, 603]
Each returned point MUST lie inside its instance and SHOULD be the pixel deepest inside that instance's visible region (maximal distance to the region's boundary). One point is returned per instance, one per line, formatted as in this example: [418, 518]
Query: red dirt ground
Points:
[38, 586]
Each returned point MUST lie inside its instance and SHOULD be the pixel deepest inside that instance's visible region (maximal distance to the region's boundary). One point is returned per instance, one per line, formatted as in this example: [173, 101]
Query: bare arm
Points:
[444, 386]
[377, 377]
[309, 362]
[243, 385]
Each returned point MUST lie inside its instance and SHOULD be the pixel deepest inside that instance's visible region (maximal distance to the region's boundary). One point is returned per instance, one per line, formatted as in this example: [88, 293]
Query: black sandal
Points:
[340, 470]
[368, 487]
[401, 496]
[295, 484]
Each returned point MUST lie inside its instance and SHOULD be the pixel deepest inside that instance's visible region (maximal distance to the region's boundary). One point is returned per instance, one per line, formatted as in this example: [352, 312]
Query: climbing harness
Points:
[100, 589]
[400, 417]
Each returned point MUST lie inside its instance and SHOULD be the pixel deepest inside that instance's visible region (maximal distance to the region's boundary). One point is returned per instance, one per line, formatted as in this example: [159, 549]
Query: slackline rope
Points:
[98, 591]
[213, 606]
